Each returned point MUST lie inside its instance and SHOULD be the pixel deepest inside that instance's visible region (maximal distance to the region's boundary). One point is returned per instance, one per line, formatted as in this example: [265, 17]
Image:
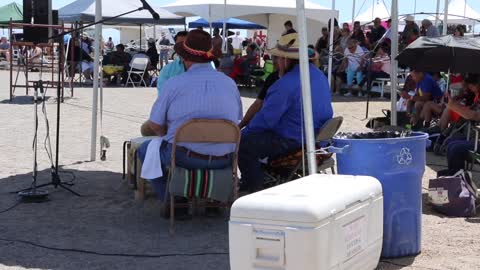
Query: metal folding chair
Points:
[203, 131]
[283, 173]
[138, 65]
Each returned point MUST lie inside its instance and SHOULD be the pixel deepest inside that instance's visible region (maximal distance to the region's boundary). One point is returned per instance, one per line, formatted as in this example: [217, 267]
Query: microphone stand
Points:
[32, 192]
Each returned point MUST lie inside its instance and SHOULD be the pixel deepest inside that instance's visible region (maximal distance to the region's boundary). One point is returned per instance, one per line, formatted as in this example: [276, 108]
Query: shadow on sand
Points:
[106, 219]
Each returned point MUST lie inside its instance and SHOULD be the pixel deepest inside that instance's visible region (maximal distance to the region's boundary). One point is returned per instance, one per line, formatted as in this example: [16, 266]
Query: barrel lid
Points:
[307, 200]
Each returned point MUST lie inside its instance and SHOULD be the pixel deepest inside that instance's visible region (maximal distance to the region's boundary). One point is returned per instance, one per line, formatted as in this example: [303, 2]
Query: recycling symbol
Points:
[405, 157]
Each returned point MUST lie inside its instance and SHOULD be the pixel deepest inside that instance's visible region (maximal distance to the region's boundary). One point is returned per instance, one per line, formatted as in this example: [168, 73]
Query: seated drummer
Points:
[200, 92]
[277, 128]
[426, 90]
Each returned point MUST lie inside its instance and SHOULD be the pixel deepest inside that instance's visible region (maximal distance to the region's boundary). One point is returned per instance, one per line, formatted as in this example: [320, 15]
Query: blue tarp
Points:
[232, 23]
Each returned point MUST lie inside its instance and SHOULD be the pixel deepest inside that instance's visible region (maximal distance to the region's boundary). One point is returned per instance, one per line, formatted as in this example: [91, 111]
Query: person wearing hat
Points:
[411, 29]
[458, 151]
[278, 127]
[173, 69]
[200, 92]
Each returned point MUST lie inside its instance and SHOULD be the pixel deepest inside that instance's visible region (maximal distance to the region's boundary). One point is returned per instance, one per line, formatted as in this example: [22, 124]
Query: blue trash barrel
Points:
[399, 164]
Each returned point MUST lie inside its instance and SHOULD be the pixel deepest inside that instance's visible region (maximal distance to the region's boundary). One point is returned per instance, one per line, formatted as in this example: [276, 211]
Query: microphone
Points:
[150, 9]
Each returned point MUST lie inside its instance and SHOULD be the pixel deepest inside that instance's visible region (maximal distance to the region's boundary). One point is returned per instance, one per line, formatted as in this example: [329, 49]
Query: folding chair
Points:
[289, 167]
[138, 65]
[203, 131]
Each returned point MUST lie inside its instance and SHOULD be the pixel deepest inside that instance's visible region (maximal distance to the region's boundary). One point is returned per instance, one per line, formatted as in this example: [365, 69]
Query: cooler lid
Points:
[307, 200]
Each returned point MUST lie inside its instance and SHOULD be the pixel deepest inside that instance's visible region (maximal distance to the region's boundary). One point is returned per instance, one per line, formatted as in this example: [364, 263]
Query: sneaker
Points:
[348, 95]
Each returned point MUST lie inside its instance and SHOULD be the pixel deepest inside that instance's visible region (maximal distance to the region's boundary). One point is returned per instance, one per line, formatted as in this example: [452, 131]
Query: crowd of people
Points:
[272, 125]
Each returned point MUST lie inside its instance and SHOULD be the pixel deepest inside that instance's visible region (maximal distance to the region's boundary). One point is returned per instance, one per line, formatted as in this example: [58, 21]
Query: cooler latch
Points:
[269, 249]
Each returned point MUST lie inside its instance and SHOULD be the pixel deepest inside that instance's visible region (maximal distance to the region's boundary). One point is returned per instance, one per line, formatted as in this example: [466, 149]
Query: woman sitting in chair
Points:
[458, 151]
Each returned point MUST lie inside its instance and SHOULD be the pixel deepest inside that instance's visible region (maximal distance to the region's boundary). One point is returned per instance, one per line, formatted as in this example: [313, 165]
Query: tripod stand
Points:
[56, 182]
[33, 193]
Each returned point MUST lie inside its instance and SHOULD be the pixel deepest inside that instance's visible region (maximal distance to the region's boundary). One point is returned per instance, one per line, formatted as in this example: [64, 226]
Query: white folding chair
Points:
[138, 65]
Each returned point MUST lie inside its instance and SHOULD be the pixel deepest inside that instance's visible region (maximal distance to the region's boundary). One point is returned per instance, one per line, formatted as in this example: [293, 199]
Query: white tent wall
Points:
[275, 29]
[84, 10]
[131, 33]
[457, 9]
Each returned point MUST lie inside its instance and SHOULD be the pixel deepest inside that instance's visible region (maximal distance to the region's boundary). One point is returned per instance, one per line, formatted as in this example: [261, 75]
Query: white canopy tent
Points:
[271, 14]
[378, 9]
[84, 10]
[458, 13]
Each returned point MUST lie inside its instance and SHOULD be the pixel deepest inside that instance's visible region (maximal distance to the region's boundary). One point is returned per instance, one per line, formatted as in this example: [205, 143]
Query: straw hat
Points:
[288, 47]
[197, 47]
[410, 18]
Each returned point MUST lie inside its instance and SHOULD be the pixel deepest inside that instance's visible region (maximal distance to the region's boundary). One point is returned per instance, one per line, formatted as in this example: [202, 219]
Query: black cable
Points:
[114, 254]
[11, 207]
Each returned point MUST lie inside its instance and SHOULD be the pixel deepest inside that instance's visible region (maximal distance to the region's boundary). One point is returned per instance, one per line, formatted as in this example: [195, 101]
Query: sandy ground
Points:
[108, 220]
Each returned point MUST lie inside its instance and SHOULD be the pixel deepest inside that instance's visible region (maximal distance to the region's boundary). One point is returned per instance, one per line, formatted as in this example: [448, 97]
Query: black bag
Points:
[453, 195]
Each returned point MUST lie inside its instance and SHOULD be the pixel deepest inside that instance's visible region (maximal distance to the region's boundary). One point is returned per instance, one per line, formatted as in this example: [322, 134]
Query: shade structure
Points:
[270, 13]
[12, 10]
[442, 54]
[231, 23]
[84, 10]
[378, 9]
[459, 12]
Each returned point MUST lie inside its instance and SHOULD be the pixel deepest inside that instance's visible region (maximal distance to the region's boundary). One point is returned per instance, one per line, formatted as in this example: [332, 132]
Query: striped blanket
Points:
[205, 184]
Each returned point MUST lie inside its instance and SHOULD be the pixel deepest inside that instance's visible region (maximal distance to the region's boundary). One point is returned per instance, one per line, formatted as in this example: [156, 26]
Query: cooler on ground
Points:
[313, 223]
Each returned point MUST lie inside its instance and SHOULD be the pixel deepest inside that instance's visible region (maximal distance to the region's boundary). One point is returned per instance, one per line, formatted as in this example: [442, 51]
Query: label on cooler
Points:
[438, 196]
[355, 235]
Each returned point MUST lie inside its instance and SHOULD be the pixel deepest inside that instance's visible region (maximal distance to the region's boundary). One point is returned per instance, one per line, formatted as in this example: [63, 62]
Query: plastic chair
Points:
[278, 171]
[203, 131]
[138, 65]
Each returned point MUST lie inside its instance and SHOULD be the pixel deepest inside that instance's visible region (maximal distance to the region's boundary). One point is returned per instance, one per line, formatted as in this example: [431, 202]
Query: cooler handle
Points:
[269, 249]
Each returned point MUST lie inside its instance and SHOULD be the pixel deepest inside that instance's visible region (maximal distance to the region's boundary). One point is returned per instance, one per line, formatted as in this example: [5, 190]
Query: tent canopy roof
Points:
[457, 10]
[84, 10]
[12, 10]
[379, 10]
[213, 10]
[231, 23]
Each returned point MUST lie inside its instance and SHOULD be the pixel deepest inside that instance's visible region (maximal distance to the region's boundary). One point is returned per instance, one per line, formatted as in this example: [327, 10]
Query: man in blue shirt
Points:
[427, 91]
[277, 128]
[200, 92]
[171, 70]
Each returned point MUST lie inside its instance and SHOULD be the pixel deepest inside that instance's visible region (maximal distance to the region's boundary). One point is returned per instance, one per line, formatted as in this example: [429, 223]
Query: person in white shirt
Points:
[354, 62]
[237, 44]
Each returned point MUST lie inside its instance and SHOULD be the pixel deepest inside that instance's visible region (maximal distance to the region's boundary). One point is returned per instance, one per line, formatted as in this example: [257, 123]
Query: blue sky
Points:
[344, 6]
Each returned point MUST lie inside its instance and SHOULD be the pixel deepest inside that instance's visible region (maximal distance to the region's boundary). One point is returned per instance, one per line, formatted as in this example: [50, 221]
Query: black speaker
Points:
[38, 11]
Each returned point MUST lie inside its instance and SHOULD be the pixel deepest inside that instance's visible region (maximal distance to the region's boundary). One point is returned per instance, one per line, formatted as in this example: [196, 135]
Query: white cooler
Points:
[316, 222]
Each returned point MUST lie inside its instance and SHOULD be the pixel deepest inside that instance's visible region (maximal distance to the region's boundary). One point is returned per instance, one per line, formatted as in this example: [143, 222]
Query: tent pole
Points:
[436, 15]
[330, 47]
[353, 12]
[394, 63]
[155, 33]
[224, 44]
[305, 82]
[96, 69]
[140, 37]
[445, 19]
